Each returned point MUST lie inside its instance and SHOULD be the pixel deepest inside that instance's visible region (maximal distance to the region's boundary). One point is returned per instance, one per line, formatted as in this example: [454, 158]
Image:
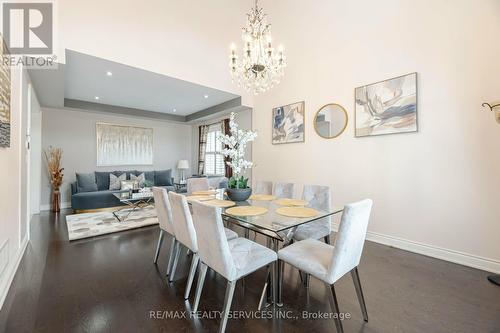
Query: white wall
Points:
[439, 187]
[13, 216]
[184, 39]
[74, 132]
[36, 154]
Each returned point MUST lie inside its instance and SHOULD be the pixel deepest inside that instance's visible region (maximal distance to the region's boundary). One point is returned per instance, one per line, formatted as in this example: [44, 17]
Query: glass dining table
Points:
[276, 227]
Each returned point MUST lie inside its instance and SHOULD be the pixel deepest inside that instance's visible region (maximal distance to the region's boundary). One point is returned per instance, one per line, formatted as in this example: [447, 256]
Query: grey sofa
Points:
[82, 200]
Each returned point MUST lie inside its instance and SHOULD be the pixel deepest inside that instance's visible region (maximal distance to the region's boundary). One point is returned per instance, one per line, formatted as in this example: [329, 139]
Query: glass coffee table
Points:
[133, 202]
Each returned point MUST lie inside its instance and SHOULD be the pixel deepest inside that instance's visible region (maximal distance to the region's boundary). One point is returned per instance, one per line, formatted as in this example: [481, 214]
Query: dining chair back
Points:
[318, 197]
[213, 246]
[163, 209]
[164, 213]
[263, 187]
[183, 222]
[284, 190]
[350, 239]
[197, 184]
[186, 235]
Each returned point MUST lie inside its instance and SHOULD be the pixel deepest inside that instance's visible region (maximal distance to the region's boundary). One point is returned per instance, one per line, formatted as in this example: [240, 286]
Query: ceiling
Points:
[95, 81]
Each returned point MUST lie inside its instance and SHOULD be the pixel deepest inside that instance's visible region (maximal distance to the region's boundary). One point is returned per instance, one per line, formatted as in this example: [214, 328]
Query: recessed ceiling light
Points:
[96, 98]
[109, 73]
[206, 96]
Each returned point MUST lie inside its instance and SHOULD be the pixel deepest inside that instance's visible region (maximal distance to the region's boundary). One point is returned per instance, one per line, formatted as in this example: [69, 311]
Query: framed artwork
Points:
[387, 107]
[4, 97]
[288, 123]
[124, 145]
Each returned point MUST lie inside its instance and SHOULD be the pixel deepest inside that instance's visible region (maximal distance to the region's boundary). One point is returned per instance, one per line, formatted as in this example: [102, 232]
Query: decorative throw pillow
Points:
[129, 184]
[115, 182]
[163, 178]
[141, 179]
[86, 182]
[102, 180]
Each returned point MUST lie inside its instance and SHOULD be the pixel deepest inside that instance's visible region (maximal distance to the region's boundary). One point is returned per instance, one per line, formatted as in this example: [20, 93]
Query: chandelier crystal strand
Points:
[261, 66]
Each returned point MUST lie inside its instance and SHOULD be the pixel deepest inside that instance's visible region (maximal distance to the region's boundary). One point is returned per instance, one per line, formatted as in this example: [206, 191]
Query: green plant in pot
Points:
[235, 146]
[238, 189]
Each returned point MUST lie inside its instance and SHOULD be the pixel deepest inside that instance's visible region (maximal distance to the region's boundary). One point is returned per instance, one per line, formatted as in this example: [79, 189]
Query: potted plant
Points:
[53, 158]
[235, 146]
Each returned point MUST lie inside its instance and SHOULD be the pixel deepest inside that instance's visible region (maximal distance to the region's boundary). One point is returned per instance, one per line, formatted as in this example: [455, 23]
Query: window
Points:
[214, 160]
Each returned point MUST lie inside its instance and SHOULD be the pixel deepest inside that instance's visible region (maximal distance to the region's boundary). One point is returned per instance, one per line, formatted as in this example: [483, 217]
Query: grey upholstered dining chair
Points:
[233, 259]
[197, 184]
[329, 263]
[283, 190]
[263, 187]
[164, 213]
[318, 197]
[186, 235]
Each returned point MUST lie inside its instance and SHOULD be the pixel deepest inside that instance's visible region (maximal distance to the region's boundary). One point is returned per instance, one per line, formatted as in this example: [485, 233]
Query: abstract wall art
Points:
[288, 123]
[124, 145]
[387, 107]
[4, 97]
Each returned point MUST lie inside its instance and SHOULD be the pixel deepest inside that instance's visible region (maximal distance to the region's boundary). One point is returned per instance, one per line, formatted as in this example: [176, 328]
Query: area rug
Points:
[94, 224]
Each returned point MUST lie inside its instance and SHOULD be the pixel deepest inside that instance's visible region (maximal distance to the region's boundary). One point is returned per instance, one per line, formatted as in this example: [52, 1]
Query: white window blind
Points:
[214, 160]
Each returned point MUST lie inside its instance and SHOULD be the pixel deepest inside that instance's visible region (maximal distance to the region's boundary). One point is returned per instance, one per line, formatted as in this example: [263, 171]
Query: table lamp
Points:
[183, 165]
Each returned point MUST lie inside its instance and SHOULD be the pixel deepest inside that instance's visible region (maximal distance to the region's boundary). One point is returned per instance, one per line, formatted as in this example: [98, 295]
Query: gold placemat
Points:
[297, 212]
[200, 197]
[290, 202]
[246, 211]
[262, 197]
[220, 203]
[209, 192]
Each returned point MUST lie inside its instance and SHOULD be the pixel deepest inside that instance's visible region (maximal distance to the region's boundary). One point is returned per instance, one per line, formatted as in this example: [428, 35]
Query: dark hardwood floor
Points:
[109, 284]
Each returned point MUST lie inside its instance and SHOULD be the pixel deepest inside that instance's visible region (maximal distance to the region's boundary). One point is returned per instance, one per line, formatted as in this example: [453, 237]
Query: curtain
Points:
[226, 131]
[202, 147]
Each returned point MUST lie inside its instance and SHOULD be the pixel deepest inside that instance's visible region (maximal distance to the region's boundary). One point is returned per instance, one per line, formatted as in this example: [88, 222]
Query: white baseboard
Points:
[11, 272]
[64, 205]
[457, 257]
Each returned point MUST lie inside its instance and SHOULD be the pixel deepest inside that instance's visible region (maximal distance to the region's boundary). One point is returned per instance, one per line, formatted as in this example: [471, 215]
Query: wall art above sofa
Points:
[124, 145]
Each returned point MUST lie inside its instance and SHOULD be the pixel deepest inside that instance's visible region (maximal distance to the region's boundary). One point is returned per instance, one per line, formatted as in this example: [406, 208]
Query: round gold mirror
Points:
[330, 121]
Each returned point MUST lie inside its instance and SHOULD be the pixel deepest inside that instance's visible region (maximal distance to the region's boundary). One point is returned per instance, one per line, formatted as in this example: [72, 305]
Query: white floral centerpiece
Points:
[235, 146]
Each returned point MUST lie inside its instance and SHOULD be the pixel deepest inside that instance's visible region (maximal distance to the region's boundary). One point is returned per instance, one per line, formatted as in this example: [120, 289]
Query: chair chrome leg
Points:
[264, 291]
[281, 266]
[327, 239]
[335, 308]
[176, 260]
[495, 279]
[171, 255]
[192, 271]
[199, 288]
[227, 305]
[359, 292]
[307, 278]
[160, 241]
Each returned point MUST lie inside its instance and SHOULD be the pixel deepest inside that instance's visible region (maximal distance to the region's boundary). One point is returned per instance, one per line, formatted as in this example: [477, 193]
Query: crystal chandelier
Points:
[261, 66]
